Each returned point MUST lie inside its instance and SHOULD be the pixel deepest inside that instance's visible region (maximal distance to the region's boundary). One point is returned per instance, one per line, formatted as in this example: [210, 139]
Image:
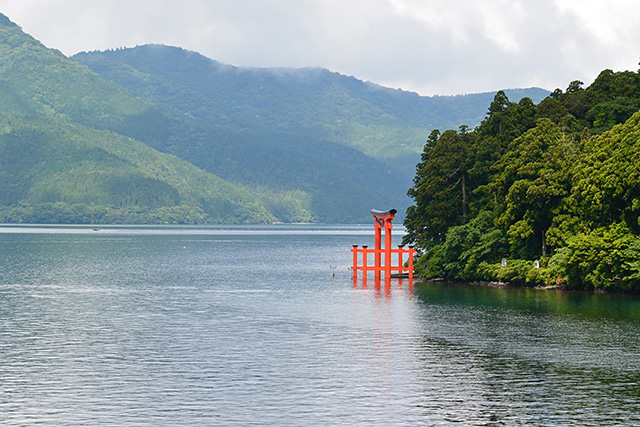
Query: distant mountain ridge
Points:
[109, 137]
[379, 121]
[285, 127]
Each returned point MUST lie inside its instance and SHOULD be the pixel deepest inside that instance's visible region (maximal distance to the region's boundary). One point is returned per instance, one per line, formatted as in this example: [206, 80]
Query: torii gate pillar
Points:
[383, 220]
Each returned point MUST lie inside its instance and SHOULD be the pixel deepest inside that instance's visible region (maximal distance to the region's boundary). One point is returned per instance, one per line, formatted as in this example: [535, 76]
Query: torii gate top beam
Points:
[382, 216]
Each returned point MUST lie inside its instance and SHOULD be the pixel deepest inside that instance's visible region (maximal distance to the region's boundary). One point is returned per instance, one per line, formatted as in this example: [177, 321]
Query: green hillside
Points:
[55, 171]
[160, 134]
[58, 165]
[319, 104]
[350, 145]
[342, 182]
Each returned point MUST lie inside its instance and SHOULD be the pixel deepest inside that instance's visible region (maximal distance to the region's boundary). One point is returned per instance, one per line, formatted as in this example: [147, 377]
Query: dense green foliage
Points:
[557, 183]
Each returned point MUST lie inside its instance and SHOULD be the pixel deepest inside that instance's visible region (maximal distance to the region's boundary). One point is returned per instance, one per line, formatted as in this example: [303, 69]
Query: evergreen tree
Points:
[535, 177]
[440, 188]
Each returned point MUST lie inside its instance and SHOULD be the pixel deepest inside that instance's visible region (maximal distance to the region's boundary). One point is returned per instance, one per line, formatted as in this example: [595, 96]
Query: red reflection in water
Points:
[387, 283]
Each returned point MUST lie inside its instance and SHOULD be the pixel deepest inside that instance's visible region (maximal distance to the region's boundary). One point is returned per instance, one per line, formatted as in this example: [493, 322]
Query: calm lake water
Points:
[162, 326]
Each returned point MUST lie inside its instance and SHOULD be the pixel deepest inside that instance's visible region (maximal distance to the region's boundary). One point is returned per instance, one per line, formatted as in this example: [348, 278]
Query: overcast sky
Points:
[433, 47]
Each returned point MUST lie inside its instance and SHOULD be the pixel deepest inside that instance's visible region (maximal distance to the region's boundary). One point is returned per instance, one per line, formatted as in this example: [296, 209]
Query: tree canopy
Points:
[557, 183]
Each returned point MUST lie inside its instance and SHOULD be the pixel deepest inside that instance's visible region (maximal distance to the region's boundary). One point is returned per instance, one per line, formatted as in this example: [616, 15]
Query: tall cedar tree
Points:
[440, 188]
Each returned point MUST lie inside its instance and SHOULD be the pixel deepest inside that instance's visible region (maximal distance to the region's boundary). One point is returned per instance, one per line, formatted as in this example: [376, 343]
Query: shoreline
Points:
[509, 285]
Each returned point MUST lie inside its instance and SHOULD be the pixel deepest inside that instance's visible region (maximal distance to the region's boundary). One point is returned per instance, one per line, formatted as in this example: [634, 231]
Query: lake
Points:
[262, 325]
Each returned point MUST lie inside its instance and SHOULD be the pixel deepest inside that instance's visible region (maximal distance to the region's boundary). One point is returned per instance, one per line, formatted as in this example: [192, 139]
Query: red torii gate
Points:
[383, 220]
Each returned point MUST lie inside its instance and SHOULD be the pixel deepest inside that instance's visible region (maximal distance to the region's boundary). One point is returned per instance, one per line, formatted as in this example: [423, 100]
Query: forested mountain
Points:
[557, 183]
[102, 142]
[314, 103]
[58, 164]
[332, 136]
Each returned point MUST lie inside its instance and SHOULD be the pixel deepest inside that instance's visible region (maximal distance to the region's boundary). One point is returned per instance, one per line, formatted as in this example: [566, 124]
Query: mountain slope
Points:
[342, 182]
[53, 153]
[267, 145]
[350, 145]
[317, 103]
[51, 161]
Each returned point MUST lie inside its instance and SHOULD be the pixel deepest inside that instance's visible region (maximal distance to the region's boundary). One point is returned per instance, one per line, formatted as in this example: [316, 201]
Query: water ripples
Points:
[172, 330]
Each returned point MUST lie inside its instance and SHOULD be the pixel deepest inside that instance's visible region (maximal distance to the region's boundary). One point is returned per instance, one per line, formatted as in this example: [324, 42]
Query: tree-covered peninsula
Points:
[545, 194]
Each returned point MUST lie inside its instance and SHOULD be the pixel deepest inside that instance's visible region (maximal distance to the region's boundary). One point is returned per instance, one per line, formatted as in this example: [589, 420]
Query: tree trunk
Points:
[544, 244]
[464, 199]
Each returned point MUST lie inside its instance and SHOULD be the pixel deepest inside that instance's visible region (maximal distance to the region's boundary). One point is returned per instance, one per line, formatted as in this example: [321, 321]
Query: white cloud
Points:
[429, 46]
